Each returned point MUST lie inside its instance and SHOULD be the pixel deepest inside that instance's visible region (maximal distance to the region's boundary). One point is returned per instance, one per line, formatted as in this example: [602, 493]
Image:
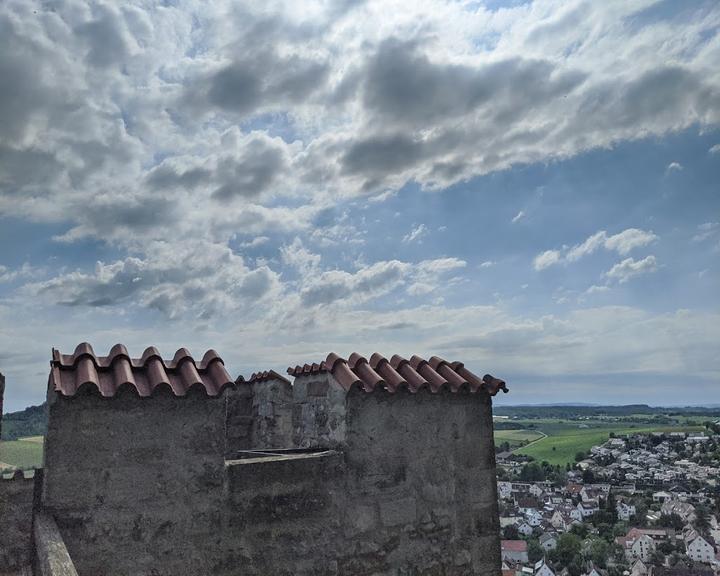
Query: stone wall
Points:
[422, 495]
[238, 423]
[2, 395]
[272, 414]
[283, 515]
[16, 508]
[406, 486]
[136, 484]
[318, 412]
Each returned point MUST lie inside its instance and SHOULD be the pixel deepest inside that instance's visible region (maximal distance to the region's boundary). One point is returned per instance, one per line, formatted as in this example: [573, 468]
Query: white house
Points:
[542, 569]
[548, 542]
[639, 568]
[504, 489]
[588, 508]
[525, 529]
[641, 548]
[699, 549]
[662, 496]
[625, 511]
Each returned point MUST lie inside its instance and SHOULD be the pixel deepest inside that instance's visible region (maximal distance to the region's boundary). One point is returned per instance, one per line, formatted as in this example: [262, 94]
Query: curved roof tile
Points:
[82, 370]
[267, 375]
[398, 372]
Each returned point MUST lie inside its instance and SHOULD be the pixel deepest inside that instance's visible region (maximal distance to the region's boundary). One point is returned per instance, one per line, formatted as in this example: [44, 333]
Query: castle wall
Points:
[16, 506]
[239, 419]
[136, 484]
[421, 484]
[282, 516]
[318, 412]
[272, 414]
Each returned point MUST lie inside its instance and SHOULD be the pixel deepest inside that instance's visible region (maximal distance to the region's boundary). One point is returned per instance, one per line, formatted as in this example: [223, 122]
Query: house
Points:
[698, 549]
[542, 569]
[525, 529]
[548, 541]
[504, 489]
[588, 508]
[625, 511]
[662, 496]
[685, 510]
[642, 548]
[639, 568]
[514, 551]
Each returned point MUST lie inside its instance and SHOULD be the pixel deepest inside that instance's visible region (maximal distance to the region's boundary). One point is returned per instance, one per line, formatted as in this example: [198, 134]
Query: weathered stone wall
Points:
[16, 506]
[421, 484]
[318, 412]
[239, 419]
[283, 516]
[136, 484]
[272, 414]
[2, 395]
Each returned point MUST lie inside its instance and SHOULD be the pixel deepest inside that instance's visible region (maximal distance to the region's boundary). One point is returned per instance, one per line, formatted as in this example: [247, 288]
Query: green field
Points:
[23, 453]
[565, 439]
[516, 438]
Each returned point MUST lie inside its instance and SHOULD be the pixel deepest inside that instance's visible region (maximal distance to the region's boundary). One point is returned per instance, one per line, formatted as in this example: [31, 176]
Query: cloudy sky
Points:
[530, 187]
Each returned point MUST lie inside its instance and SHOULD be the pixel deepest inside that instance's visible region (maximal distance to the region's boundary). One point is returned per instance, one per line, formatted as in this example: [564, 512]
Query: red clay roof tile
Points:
[398, 372]
[265, 376]
[107, 374]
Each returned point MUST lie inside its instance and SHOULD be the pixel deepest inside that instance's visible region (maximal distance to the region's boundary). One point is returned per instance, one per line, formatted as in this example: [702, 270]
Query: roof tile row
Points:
[413, 374]
[71, 373]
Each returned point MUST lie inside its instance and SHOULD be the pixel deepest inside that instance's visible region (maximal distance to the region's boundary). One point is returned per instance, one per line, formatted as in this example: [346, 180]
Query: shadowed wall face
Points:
[421, 484]
[16, 506]
[135, 482]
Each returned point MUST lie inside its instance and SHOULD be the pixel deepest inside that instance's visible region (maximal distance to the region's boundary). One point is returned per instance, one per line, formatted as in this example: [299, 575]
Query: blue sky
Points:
[529, 187]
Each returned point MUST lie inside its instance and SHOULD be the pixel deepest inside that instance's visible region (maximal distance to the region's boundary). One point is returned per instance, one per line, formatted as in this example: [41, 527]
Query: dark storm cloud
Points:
[403, 85]
[167, 176]
[252, 172]
[382, 154]
[265, 80]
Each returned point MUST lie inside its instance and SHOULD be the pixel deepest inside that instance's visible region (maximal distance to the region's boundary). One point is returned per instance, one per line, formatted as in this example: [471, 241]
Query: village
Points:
[637, 505]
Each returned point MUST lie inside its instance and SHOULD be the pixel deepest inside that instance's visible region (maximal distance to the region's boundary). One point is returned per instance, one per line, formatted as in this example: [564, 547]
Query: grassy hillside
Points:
[29, 422]
[563, 442]
[23, 453]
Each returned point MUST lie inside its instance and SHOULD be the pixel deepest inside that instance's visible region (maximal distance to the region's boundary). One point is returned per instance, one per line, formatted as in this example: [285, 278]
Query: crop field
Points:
[517, 438]
[564, 440]
[23, 453]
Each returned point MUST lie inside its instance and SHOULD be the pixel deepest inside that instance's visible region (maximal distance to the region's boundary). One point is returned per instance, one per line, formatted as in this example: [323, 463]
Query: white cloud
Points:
[622, 243]
[706, 230]
[595, 289]
[487, 264]
[674, 167]
[546, 259]
[715, 149]
[630, 268]
[415, 234]
[520, 215]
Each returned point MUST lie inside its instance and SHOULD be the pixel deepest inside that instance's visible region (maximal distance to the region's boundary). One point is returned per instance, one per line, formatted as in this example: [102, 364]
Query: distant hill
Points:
[29, 422]
[589, 410]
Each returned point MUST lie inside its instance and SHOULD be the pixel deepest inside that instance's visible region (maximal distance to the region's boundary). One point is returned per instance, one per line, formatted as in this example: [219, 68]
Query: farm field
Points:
[23, 453]
[517, 438]
[565, 440]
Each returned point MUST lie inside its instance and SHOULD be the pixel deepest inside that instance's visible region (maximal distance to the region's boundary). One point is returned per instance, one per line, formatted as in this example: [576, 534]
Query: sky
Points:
[532, 188]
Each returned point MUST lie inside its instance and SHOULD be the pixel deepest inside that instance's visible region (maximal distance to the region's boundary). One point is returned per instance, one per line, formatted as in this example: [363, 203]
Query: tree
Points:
[588, 476]
[657, 558]
[598, 552]
[579, 456]
[568, 547]
[535, 551]
[510, 532]
[532, 472]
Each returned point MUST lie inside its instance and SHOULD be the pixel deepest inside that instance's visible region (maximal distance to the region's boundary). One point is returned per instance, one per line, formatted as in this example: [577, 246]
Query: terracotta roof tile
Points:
[70, 373]
[397, 372]
[313, 368]
[265, 376]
